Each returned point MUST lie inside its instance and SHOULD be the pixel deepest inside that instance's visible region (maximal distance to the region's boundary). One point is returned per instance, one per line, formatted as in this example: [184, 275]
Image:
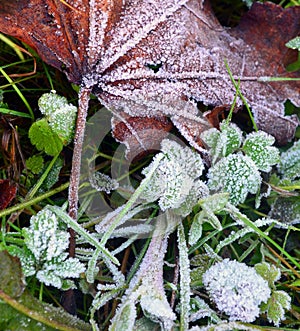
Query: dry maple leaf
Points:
[154, 58]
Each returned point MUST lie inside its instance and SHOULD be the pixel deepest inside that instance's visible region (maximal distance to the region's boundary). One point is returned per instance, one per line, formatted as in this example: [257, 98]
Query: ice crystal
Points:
[175, 183]
[236, 174]
[257, 146]
[223, 142]
[236, 289]
[46, 254]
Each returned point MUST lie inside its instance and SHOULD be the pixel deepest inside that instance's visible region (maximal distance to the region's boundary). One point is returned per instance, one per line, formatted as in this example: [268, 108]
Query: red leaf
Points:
[8, 192]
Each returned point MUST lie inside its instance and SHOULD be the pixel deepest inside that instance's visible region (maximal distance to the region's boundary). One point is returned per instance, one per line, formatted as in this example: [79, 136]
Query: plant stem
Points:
[68, 298]
[84, 96]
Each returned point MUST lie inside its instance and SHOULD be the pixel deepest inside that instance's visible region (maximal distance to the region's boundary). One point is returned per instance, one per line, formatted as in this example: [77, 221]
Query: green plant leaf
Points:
[11, 278]
[44, 139]
[35, 163]
[49, 102]
[257, 146]
[276, 306]
[60, 115]
[223, 142]
[53, 175]
[236, 174]
[269, 272]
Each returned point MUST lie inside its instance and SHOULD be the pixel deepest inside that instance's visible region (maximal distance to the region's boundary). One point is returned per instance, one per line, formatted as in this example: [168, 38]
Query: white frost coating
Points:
[236, 289]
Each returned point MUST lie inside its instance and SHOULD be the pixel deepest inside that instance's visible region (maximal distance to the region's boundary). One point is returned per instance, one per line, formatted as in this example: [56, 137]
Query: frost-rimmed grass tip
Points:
[236, 289]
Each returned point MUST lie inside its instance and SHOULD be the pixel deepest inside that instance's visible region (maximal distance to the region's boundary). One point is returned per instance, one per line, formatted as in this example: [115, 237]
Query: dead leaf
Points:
[8, 192]
[156, 58]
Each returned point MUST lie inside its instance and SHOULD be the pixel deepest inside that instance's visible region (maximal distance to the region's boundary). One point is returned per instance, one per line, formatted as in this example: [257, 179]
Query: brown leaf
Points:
[8, 192]
[141, 134]
[157, 58]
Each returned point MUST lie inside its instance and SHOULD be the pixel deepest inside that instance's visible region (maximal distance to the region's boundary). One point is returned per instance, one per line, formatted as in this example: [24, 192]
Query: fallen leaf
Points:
[8, 191]
[157, 58]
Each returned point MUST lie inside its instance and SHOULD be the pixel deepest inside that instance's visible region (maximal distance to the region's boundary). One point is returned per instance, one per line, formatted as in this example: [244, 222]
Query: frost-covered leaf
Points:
[44, 139]
[223, 142]
[200, 309]
[53, 175]
[45, 253]
[124, 318]
[257, 146]
[60, 115]
[155, 308]
[175, 182]
[276, 306]
[269, 272]
[286, 210]
[289, 165]
[49, 102]
[236, 174]
[45, 237]
[210, 205]
[109, 46]
[102, 182]
[236, 289]
[294, 43]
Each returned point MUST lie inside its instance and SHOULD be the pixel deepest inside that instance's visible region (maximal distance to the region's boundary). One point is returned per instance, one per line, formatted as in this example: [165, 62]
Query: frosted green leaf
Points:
[223, 142]
[157, 309]
[198, 191]
[236, 174]
[102, 182]
[45, 253]
[210, 205]
[173, 182]
[44, 237]
[257, 146]
[276, 306]
[236, 289]
[26, 257]
[44, 139]
[53, 175]
[289, 165]
[35, 163]
[294, 43]
[50, 102]
[190, 161]
[286, 210]
[60, 115]
[215, 202]
[62, 122]
[124, 318]
[269, 272]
